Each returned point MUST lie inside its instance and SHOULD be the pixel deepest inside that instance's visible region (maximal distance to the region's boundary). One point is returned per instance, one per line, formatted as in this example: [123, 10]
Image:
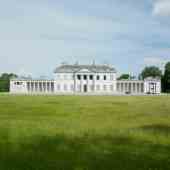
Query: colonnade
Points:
[130, 86]
[84, 82]
[40, 86]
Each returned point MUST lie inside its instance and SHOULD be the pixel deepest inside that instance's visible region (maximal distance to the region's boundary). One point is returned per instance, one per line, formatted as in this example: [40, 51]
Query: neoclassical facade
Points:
[85, 79]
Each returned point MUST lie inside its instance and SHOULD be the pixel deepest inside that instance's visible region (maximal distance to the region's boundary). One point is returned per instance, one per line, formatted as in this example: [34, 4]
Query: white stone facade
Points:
[85, 79]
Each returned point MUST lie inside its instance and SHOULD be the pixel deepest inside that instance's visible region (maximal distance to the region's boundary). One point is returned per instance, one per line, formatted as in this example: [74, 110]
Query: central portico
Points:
[85, 81]
[87, 78]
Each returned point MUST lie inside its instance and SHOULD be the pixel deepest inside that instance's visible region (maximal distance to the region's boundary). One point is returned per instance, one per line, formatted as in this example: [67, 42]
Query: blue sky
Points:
[37, 35]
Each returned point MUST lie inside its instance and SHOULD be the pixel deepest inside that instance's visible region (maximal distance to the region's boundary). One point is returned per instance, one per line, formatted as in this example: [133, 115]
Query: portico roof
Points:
[90, 68]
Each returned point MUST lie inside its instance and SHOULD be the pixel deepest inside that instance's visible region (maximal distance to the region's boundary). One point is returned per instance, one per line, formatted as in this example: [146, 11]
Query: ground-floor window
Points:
[98, 87]
[111, 87]
[104, 87]
[91, 87]
[65, 87]
[72, 87]
[58, 87]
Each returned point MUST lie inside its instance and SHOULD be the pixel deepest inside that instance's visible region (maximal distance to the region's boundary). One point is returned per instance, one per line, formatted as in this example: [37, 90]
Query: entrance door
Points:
[85, 88]
[152, 87]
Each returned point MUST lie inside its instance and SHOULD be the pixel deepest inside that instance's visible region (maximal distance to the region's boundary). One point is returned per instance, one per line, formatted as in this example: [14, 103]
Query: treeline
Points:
[5, 81]
[151, 71]
[166, 79]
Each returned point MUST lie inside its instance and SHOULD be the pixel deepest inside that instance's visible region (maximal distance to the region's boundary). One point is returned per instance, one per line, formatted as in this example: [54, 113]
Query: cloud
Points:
[161, 7]
[38, 35]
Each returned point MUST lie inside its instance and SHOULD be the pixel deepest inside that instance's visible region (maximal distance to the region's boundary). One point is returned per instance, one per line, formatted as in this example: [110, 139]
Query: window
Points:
[18, 83]
[111, 87]
[104, 87]
[98, 77]
[85, 77]
[72, 87]
[65, 87]
[58, 87]
[91, 77]
[78, 87]
[92, 87]
[65, 77]
[98, 87]
[79, 77]
[111, 77]
[104, 77]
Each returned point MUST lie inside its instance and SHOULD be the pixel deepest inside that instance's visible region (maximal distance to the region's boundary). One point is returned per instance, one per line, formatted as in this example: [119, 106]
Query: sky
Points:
[38, 35]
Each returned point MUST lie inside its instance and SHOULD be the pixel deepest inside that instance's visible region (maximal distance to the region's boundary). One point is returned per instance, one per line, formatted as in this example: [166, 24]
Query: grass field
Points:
[84, 132]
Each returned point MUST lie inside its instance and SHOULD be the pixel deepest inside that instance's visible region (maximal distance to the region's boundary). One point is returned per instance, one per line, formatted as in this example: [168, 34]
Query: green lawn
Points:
[84, 132]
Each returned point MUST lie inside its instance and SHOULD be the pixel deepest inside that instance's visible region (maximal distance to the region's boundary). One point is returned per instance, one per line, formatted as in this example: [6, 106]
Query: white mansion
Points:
[90, 79]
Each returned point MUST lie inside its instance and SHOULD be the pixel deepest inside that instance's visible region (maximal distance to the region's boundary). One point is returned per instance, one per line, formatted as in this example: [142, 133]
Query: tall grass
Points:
[84, 133]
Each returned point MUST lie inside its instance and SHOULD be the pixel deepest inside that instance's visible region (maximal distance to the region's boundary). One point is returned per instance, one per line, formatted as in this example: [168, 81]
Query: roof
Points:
[152, 79]
[30, 79]
[65, 68]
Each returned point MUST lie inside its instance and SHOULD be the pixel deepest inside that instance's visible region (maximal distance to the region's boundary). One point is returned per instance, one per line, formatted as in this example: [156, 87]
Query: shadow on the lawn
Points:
[157, 128]
[85, 153]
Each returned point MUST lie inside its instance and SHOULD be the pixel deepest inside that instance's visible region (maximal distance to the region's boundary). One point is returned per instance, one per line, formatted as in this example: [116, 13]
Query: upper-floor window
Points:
[79, 77]
[104, 77]
[85, 77]
[91, 77]
[98, 77]
[18, 83]
[111, 77]
[65, 77]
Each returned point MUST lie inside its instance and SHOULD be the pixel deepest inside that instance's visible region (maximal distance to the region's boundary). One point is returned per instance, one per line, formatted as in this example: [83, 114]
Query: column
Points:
[28, 86]
[88, 82]
[136, 87]
[33, 86]
[51, 86]
[123, 87]
[94, 83]
[38, 86]
[140, 88]
[46, 87]
[131, 88]
[74, 78]
[142, 85]
[81, 83]
[117, 87]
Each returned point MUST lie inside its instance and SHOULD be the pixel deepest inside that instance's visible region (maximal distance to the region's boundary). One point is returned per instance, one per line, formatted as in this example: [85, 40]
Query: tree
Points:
[166, 78]
[151, 71]
[5, 81]
[126, 77]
